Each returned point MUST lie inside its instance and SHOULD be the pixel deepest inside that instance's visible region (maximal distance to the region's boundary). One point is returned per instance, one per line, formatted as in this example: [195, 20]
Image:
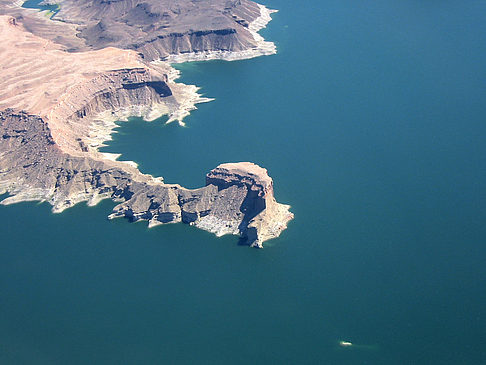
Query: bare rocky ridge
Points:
[58, 107]
[175, 30]
[70, 90]
[159, 28]
[237, 199]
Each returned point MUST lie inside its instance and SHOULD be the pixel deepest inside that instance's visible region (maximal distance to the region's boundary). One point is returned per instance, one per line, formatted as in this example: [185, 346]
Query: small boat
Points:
[345, 344]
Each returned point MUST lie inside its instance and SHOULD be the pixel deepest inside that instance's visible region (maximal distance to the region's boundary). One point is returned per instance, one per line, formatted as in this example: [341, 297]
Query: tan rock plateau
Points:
[58, 107]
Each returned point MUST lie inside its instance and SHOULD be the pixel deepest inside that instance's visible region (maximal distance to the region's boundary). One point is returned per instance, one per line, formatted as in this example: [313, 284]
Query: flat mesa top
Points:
[247, 168]
[250, 170]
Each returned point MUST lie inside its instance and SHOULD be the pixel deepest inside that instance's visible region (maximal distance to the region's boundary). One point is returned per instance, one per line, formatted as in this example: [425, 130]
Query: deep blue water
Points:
[371, 121]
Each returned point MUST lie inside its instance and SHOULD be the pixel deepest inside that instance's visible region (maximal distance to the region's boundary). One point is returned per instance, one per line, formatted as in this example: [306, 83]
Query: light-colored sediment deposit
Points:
[57, 108]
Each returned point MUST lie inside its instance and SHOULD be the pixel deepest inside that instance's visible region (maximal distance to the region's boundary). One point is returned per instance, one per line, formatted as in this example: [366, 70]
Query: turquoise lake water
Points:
[371, 121]
[36, 4]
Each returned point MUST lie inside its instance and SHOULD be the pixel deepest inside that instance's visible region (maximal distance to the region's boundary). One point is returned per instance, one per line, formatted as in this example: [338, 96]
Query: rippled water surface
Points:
[371, 121]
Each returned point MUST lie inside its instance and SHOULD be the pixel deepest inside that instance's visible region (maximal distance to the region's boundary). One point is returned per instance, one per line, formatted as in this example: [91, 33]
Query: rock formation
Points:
[175, 30]
[237, 199]
[58, 107]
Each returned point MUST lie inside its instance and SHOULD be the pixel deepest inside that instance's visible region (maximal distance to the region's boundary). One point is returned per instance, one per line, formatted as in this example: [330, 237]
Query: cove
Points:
[372, 127]
[36, 4]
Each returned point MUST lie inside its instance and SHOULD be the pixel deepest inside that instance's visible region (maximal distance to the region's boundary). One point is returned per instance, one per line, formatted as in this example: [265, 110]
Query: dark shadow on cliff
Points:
[252, 206]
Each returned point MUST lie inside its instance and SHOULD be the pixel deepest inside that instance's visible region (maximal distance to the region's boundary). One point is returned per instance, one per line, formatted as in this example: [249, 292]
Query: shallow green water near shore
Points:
[51, 10]
[371, 121]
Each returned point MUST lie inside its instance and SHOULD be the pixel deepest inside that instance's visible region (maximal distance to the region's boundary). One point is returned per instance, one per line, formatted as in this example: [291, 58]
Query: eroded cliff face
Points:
[175, 30]
[71, 91]
[160, 28]
[58, 107]
[237, 199]
[260, 217]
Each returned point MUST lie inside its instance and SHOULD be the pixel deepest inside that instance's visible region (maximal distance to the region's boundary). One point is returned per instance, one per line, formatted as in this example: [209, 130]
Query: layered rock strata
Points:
[71, 90]
[237, 199]
[57, 108]
[174, 30]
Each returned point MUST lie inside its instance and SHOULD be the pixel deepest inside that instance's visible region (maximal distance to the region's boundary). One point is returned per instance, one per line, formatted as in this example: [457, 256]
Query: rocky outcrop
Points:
[258, 217]
[160, 28]
[174, 30]
[237, 199]
[70, 91]
[58, 107]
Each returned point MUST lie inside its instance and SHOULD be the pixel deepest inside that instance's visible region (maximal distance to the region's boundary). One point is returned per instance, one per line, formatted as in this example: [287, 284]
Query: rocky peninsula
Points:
[68, 78]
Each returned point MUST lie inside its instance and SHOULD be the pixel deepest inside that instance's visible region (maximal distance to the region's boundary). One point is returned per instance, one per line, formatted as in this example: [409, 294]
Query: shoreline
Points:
[72, 118]
[263, 48]
[103, 125]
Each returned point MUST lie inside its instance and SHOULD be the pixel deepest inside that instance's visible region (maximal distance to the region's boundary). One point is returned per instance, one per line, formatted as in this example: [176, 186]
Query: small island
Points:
[69, 77]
